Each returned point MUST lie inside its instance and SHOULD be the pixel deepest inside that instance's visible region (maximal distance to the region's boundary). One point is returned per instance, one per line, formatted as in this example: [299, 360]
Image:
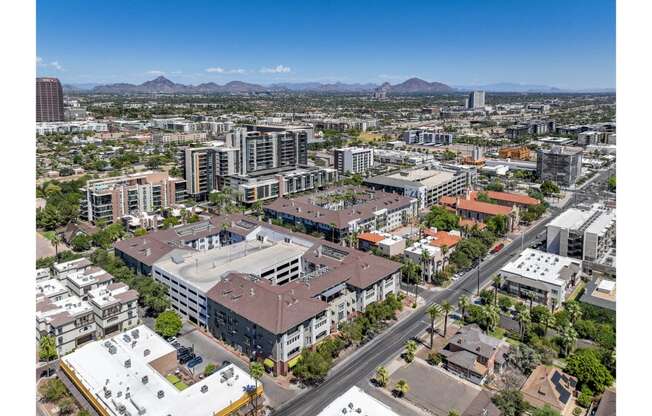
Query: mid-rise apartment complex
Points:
[258, 162]
[343, 211]
[353, 159]
[49, 100]
[582, 234]
[560, 164]
[546, 278]
[110, 199]
[427, 137]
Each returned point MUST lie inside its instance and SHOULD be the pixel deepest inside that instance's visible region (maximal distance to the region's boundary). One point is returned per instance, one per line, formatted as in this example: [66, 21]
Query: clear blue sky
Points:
[568, 44]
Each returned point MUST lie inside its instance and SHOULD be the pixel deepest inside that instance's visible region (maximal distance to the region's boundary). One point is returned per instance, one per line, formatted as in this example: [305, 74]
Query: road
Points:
[390, 343]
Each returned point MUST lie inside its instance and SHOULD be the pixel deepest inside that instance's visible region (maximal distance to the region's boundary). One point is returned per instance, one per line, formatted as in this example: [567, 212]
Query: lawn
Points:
[181, 386]
[498, 333]
[172, 379]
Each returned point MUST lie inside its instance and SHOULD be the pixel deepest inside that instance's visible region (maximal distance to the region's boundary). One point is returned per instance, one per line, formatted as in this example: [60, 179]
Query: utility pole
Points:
[479, 262]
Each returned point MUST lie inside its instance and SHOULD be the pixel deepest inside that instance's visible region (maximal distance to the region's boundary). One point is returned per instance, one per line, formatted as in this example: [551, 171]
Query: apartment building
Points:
[343, 124]
[546, 278]
[402, 157]
[62, 270]
[560, 164]
[70, 127]
[163, 138]
[338, 213]
[274, 323]
[82, 282]
[427, 136]
[51, 289]
[583, 234]
[353, 159]
[427, 185]
[115, 307]
[70, 321]
[387, 244]
[110, 199]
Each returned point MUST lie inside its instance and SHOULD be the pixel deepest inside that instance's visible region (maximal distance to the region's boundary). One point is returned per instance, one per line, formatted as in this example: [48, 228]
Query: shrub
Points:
[55, 390]
[209, 369]
[434, 358]
[585, 398]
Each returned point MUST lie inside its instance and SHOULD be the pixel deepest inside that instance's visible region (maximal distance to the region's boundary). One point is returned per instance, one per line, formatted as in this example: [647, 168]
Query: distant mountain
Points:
[533, 88]
[419, 86]
[162, 85]
[79, 87]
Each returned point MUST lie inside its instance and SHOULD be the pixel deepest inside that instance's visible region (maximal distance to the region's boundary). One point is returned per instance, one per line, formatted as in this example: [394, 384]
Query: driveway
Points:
[433, 389]
[43, 247]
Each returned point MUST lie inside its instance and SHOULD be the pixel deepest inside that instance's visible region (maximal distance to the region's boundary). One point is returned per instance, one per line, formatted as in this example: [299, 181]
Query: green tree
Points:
[585, 364]
[54, 390]
[574, 311]
[523, 318]
[453, 412]
[498, 224]
[382, 376]
[567, 339]
[168, 324]
[434, 312]
[495, 186]
[402, 387]
[510, 402]
[549, 188]
[497, 281]
[139, 232]
[490, 317]
[611, 183]
[67, 406]
[441, 218]
[524, 357]
[81, 242]
[447, 308]
[585, 397]
[463, 303]
[505, 303]
[312, 368]
[256, 371]
[47, 348]
[410, 349]
[209, 369]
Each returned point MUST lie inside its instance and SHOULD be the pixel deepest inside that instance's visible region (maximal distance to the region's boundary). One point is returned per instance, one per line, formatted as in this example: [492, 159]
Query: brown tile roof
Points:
[549, 385]
[275, 308]
[607, 406]
[470, 223]
[304, 207]
[508, 197]
[475, 206]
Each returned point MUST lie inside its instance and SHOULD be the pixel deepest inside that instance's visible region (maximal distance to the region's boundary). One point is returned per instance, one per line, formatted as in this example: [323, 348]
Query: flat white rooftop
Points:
[204, 269]
[72, 264]
[49, 288]
[356, 402]
[89, 277]
[606, 286]
[541, 266]
[428, 177]
[100, 369]
[72, 305]
[574, 219]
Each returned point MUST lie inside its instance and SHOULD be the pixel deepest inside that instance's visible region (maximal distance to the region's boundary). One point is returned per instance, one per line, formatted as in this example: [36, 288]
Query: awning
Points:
[294, 361]
[334, 290]
[268, 363]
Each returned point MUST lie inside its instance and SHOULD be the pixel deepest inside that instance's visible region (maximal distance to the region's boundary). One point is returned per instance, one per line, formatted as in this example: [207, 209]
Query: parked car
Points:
[186, 358]
[195, 361]
[171, 339]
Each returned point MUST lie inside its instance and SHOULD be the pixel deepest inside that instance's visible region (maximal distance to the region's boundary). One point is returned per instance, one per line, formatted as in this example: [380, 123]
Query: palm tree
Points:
[463, 303]
[410, 349]
[382, 376]
[490, 317]
[402, 387]
[497, 281]
[447, 308]
[548, 321]
[574, 311]
[256, 371]
[332, 225]
[523, 319]
[425, 264]
[567, 337]
[55, 240]
[433, 312]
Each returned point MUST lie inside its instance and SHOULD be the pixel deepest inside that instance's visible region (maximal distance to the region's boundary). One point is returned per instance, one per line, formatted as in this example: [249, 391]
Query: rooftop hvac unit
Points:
[113, 349]
[204, 388]
[135, 333]
[160, 394]
[146, 353]
[128, 363]
[145, 379]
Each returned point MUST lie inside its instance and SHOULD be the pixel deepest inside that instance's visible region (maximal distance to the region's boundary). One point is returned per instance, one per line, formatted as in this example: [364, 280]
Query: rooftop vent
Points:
[145, 379]
[146, 353]
[160, 394]
[204, 388]
[128, 363]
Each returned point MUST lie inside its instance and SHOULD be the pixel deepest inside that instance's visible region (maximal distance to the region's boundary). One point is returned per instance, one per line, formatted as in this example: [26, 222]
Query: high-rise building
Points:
[475, 100]
[560, 164]
[353, 159]
[49, 100]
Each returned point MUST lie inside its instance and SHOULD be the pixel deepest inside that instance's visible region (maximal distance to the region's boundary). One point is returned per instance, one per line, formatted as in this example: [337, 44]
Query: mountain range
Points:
[162, 85]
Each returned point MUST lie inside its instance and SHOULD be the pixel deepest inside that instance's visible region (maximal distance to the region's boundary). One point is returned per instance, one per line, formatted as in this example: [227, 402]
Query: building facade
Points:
[560, 164]
[49, 100]
[353, 159]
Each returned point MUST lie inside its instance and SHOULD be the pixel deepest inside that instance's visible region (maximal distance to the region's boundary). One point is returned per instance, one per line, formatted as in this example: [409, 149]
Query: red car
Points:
[497, 248]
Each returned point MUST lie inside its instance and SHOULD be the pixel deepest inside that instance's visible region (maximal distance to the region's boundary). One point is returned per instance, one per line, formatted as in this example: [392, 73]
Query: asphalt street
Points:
[390, 343]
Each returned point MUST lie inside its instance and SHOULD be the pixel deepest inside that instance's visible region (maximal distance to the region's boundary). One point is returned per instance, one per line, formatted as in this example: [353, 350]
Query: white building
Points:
[475, 100]
[356, 402]
[81, 282]
[70, 127]
[69, 320]
[62, 270]
[115, 307]
[126, 375]
[582, 234]
[353, 159]
[190, 275]
[435, 256]
[547, 278]
[51, 289]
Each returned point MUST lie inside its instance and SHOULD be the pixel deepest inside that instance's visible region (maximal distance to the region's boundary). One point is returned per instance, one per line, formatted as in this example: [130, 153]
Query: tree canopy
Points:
[168, 324]
[585, 364]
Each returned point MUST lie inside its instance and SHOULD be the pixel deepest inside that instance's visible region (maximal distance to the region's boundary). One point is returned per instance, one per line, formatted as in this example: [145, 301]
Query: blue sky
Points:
[568, 44]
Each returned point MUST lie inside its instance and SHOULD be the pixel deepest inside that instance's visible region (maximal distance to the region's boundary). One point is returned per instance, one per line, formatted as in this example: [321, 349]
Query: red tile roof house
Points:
[481, 211]
[508, 199]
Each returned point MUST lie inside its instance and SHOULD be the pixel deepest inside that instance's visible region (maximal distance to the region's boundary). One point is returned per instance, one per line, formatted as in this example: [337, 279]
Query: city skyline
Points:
[204, 42]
